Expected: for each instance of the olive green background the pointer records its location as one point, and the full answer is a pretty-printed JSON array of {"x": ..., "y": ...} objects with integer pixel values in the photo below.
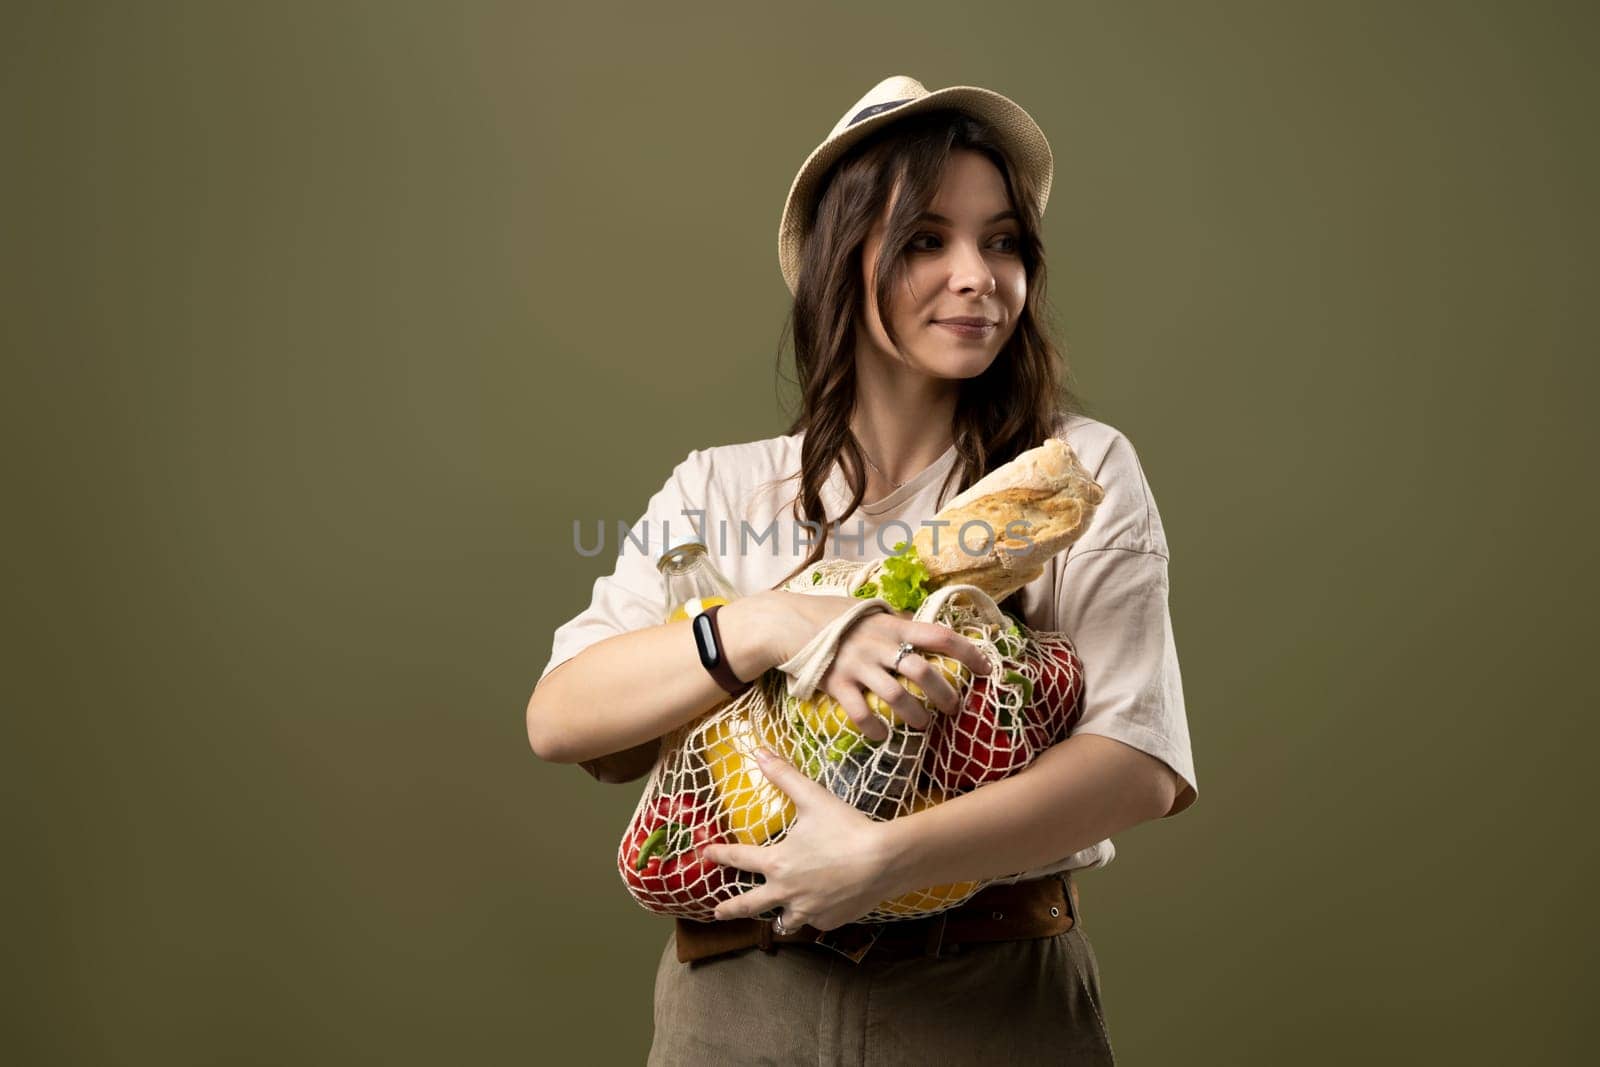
[{"x": 323, "y": 323}]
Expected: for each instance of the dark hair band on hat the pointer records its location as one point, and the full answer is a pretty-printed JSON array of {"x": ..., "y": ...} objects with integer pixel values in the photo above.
[{"x": 875, "y": 109}]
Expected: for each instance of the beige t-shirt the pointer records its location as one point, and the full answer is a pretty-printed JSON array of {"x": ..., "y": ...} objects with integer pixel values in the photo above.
[{"x": 1108, "y": 591}]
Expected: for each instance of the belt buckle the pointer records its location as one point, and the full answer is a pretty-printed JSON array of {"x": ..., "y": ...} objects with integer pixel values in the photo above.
[{"x": 855, "y": 943}]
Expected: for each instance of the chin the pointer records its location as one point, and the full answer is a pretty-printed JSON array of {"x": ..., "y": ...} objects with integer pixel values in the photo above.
[{"x": 959, "y": 367}]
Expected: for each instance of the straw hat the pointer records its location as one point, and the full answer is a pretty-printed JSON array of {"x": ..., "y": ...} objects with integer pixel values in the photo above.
[{"x": 895, "y": 98}]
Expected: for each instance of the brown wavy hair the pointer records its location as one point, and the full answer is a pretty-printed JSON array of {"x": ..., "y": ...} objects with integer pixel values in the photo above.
[{"x": 1009, "y": 408}]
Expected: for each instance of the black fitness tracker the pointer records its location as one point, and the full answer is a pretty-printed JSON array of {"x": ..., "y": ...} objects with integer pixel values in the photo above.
[{"x": 708, "y": 642}]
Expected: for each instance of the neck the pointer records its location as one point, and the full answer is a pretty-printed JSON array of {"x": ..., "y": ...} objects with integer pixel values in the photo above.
[{"x": 902, "y": 418}]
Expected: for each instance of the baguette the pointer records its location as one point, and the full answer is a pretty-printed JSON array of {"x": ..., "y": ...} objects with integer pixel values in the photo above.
[{"x": 1045, "y": 488}]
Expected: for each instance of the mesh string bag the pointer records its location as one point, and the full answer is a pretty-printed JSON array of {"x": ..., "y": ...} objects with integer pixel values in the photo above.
[{"x": 706, "y": 786}]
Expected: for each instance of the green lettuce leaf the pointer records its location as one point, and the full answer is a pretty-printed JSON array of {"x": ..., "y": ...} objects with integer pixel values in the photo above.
[{"x": 904, "y": 581}]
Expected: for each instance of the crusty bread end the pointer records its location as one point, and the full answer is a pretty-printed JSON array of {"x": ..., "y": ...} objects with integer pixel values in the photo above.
[{"x": 1045, "y": 497}]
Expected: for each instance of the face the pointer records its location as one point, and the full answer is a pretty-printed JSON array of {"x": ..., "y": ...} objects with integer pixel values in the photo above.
[{"x": 967, "y": 266}]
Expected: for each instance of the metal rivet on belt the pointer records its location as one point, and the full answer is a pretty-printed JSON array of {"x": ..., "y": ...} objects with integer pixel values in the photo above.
[
  {"x": 1054, "y": 912},
  {"x": 999, "y": 915}
]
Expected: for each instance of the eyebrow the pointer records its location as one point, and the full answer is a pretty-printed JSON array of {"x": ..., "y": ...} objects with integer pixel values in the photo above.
[{"x": 941, "y": 220}]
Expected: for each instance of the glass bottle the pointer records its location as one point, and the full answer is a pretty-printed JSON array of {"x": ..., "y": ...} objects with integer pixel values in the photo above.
[{"x": 693, "y": 582}]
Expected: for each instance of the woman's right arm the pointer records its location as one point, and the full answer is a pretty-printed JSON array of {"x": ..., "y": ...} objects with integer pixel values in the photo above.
[
  {"x": 609, "y": 704},
  {"x": 620, "y": 695}
]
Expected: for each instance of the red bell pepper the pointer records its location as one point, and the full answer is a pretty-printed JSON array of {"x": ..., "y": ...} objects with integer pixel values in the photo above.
[
  {"x": 660, "y": 861},
  {"x": 976, "y": 745},
  {"x": 1037, "y": 708},
  {"x": 1058, "y": 696}
]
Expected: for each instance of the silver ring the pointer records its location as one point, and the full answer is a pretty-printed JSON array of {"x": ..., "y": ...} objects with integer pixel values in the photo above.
[
  {"x": 777, "y": 924},
  {"x": 899, "y": 654}
]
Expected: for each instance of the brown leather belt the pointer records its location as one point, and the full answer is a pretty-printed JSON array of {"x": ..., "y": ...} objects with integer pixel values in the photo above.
[{"x": 1039, "y": 907}]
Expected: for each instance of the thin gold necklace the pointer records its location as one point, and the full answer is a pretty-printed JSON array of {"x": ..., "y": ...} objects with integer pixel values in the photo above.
[{"x": 877, "y": 468}]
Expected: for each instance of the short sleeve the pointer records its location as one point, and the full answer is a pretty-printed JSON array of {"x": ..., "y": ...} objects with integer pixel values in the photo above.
[
  {"x": 1112, "y": 599},
  {"x": 631, "y": 597},
  {"x": 1113, "y": 604}
]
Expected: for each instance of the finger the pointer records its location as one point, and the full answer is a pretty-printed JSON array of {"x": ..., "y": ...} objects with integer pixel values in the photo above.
[
  {"x": 898, "y": 697},
  {"x": 936, "y": 638},
  {"x": 788, "y": 778},
  {"x": 854, "y": 702},
  {"x": 940, "y": 693},
  {"x": 748, "y": 904},
  {"x": 742, "y": 857}
]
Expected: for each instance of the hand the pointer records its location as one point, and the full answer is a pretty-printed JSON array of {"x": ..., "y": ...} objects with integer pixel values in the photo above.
[
  {"x": 827, "y": 870},
  {"x": 865, "y": 652}
]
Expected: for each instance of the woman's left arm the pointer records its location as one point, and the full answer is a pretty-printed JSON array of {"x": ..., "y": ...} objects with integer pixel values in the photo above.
[
  {"x": 835, "y": 864},
  {"x": 1075, "y": 794}
]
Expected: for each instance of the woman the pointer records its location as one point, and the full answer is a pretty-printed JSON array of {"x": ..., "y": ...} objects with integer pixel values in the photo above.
[{"x": 910, "y": 242}]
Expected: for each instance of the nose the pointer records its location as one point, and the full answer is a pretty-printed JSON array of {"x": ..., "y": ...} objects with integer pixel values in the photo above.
[{"x": 970, "y": 273}]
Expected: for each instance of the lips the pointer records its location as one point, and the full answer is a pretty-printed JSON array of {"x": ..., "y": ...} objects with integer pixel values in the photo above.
[
  {"x": 964, "y": 331},
  {"x": 965, "y": 320}
]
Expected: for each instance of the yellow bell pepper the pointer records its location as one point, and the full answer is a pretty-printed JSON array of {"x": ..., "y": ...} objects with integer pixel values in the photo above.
[{"x": 753, "y": 809}]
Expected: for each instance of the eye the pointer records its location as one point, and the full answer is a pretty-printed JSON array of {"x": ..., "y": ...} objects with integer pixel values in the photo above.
[{"x": 913, "y": 246}]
